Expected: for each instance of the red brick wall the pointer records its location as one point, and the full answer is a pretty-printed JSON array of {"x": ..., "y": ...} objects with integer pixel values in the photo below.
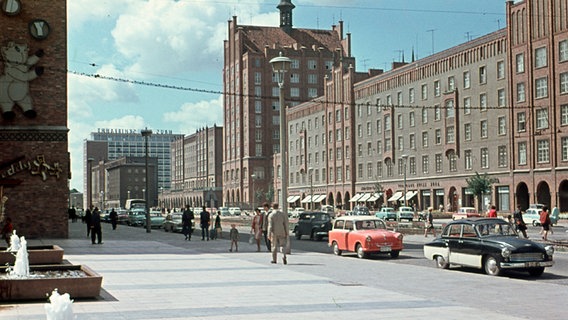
[{"x": 38, "y": 203}]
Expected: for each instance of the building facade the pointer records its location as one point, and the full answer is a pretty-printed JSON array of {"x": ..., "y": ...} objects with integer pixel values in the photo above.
[
  {"x": 34, "y": 158},
  {"x": 196, "y": 170},
  {"x": 111, "y": 144},
  {"x": 251, "y": 100}
]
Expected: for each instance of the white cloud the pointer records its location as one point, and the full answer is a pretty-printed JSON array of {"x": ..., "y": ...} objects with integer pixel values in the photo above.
[{"x": 192, "y": 116}]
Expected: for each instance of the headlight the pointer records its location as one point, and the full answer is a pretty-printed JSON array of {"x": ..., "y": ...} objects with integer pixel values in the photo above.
[
  {"x": 549, "y": 250},
  {"x": 505, "y": 252},
  {"x": 368, "y": 239}
]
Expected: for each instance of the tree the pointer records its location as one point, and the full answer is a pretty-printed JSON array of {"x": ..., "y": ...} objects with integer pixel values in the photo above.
[
  {"x": 378, "y": 188},
  {"x": 480, "y": 185}
]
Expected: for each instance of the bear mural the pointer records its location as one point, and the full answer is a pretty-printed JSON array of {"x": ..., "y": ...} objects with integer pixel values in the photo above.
[{"x": 18, "y": 71}]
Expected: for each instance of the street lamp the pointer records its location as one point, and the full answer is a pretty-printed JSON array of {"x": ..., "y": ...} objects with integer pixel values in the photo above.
[
  {"x": 161, "y": 196},
  {"x": 253, "y": 176},
  {"x": 102, "y": 200},
  {"x": 310, "y": 169},
  {"x": 404, "y": 157},
  {"x": 90, "y": 182},
  {"x": 280, "y": 66},
  {"x": 146, "y": 133}
]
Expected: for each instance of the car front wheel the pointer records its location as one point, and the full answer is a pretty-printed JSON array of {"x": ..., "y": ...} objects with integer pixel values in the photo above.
[
  {"x": 336, "y": 250},
  {"x": 360, "y": 253},
  {"x": 441, "y": 262},
  {"x": 298, "y": 234},
  {"x": 492, "y": 267},
  {"x": 395, "y": 254},
  {"x": 535, "y": 223}
]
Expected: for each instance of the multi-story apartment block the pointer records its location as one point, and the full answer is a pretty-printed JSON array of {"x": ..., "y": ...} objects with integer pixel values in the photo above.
[
  {"x": 251, "y": 101},
  {"x": 111, "y": 144},
  {"x": 196, "y": 170}
]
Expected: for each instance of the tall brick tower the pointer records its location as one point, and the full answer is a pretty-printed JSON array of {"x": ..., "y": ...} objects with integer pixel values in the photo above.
[{"x": 34, "y": 157}]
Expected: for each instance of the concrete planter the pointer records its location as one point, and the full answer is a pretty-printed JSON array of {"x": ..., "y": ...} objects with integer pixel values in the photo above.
[
  {"x": 40, "y": 289},
  {"x": 49, "y": 254}
]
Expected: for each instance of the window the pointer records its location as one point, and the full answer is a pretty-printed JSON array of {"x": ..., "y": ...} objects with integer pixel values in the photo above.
[
  {"x": 483, "y": 128},
  {"x": 438, "y": 162},
  {"x": 369, "y": 109},
  {"x": 467, "y": 105},
  {"x": 337, "y": 115},
  {"x": 389, "y": 100},
  {"x": 424, "y": 115},
  {"x": 502, "y": 156},
  {"x": 541, "y": 87},
  {"x": 312, "y": 78},
  {"x": 399, "y": 123},
  {"x": 258, "y": 107},
  {"x": 482, "y": 75},
  {"x": 388, "y": 145},
  {"x": 399, "y": 98},
  {"x": 520, "y": 62},
  {"x": 467, "y": 131},
  {"x": 387, "y": 123},
  {"x": 369, "y": 129},
  {"x": 467, "y": 160},
  {"x": 339, "y": 173},
  {"x": 295, "y": 64},
  {"x": 501, "y": 98},
  {"x": 294, "y": 78},
  {"x": 369, "y": 170},
  {"x": 400, "y": 143},
  {"x": 425, "y": 139},
  {"x": 338, "y": 134},
  {"x": 411, "y": 95},
  {"x": 339, "y": 153},
  {"x": 411, "y": 120},
  {"x": 521, "y": 97},
  {"x": 502, "y": 126},
  {"x": 452, "y": 160},
  {"x": 424, "y": 92},
  {"x": 438, "y": 133},
  {"x": 360, "y": 170},
  {"x": 437, "y": 112},
  {"x": 312, "y": 64},
  {"x": 294, "y": 92},
  {"x": 425, "y": 164},
  {"x": 564, "y": 82},
  {"x": 258, "y": 149},
  {"x": 543, "y": 151},
  {"x": 379, "y": 128},
  {"x": 360, "y": 150},
  {"x": 564, "y": 142},
  {"x": 522, "y": 148},
  {"x": 564, "y": 114},
  {"x": 359, "y": 131},
  {"x": 521, "y": 122},
  {"x": 369, "y": 149},
  {"x": 484, "y": 156},
  {"x": 483, "y": 102},
  {"x": 466, "y": 80},
  {"x": 541, "y": 118},
  {"x": 436, "y": 88},
  {"x": 412, "y": 138},
  {"x": 451, "y": 83},
  {"x": 450, "y": 111},
  {"x": 563, "y": 50},
  {"x": 312, "y": 92},
  {"x": 379, "y": 169},
  {"x": 500, "y": 70},
  {"x": 450, "y": 134},
  {"x": 540, "y": 57}
]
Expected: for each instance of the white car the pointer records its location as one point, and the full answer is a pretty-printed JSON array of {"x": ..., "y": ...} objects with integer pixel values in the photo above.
[{"x": 235, "y": 211}]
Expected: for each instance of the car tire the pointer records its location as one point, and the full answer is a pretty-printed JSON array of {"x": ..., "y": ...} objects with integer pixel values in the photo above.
[
  {"x": 536, "y": 272},
  {"x": 535, "y": 223},
  {"x": 395, "y": 254},
  {"x": 298, "y": 235},
  {"x": 441, "y": 262},
  {"x": 336, "y": 250},
  {"x": 491, "y": 266},
  {"x": 360, "y": 253}
]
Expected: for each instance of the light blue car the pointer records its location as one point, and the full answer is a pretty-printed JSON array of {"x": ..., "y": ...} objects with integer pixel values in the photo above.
[
  {"x": 532, "y": 216},
  {"x": 386, "y": 213}
]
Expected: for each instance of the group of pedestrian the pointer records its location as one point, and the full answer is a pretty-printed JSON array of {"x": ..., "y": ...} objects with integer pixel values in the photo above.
[{"x": 94, "y": 228}]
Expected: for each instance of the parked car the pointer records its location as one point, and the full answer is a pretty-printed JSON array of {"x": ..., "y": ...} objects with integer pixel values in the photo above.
[
  {"x": 489, "y": 244},
  {"x": 156, "y": 220},
  {"x": 386, "y": 213},
  {"x": 328, "y": 209},
  {"x": 123, "y": 216},
  {"x": 234, "y": 211},
  {"x": 405, "y": 213},
  {"x": 173, "y": 222},
  {"x": 136, "y": 217},
  {"x": 314, "y": 224},
  {"x": 532, "y": 216},
  {"x": 364, "y": 235},
  {"x": 466, "y": 212},
  {"x": 359, "y": 211},
  {"x": 224, "y": 211}
]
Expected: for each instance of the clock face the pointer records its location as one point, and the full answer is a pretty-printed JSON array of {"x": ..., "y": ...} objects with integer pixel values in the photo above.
[
  {"x": 39, "y": 29},
  {"x": 11, "y": 7}
]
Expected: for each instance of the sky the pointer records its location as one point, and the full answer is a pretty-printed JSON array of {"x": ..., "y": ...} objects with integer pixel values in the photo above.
[{"x": 175, "y": 48}]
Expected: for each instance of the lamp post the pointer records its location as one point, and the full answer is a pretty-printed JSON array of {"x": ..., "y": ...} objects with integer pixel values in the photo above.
[
  {"x": 404, "y": 157},
  {"x": 161, "y": 196},
  {"x": 90, "y": 182},
  {"x": 146, "y": 133},
  {"x": 253, "y": 176},
  {"x": 310, "y": 171},
  {"x": 280, "y": 66},
  {"x": 102, "y": 200}
]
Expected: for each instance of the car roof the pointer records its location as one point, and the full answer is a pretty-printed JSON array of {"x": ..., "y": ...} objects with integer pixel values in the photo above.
[
  {"x": 357, "y": 218},
  {"x": 476, "y": 221}
]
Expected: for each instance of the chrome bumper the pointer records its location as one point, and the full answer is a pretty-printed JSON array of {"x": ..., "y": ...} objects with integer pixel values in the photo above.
[{"x": 523, "y": 265}]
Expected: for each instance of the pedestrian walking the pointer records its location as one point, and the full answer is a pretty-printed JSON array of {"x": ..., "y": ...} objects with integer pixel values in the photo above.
[
  {"x": 266, "y": 213},
  {"x": 204, "y": 219},
  {"x": 519, "y": 222},
  {"x": 96, "y": 229},
  {"x": 492, "y": 213},
  {"x": 278, "y": 232},
  {"x": 73, "y": 214},
  {"x": 545, "y": 222},
  {"x": 216, "y": 230},
  {"x": 234, "y": 236},
  {"x": 113, "y": 218},
  {"x": 187, "y": 223},
  {"x": 256, "y": 228},
  {"x": 88, "y": 218},
  {"x": 429, "y": 224}
]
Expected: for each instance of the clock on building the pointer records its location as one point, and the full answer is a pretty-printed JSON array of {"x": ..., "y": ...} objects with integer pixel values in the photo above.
[
  {"x": 39, "y": 29},
  {"x": 11, "y": 7}
]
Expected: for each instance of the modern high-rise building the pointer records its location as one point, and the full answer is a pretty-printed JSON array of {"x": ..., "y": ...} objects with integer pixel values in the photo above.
[
  {"x": 111, "y": 144},
  {"x": 251, "y": 100}
]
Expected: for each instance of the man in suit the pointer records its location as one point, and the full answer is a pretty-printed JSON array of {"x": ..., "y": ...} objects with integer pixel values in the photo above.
[
  {"x": 204, "y": 218},
  {"x": 278, "y": 232}
]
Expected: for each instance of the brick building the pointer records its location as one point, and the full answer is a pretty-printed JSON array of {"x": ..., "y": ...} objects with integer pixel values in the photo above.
[{"x": 34, "y": 156}]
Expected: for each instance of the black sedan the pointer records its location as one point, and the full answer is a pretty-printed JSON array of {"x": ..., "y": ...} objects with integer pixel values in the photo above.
[
  {"x": 491, "y": 244},
  {"x": 314, "y": 224}
]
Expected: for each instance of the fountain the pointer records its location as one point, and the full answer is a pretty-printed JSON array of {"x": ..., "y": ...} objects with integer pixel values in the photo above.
[
  {"x": 60, "y": 307},
  {"x": 47, "y": 254}
]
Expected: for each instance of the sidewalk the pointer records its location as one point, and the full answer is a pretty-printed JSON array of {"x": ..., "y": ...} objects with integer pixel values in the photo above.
[{"x": 176, "y": 279}]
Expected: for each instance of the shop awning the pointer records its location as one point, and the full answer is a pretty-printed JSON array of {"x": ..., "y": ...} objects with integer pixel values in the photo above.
[
  {"x": 356, "y": 197},
  {"x": 365, "y": 197},
  {"x": 320, "y": 198},
  {"x": 292, "y": 199},
  {"x": 374, "y": 197},
  {"x": 395, "y": 196},
  {"x": 410, "y": 195},
  {"x": 307, "y": 199}
]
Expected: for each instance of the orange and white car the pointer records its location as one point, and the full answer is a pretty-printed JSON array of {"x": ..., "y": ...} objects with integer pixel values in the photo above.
[
  {"x": 465, "y": 213},
  {"x": 364, "y": 235}
]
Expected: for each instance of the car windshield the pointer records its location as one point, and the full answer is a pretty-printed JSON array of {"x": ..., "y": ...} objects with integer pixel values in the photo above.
[
  {"x": 370, "y": 225},
  {"x": 497, "y": 228}
]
